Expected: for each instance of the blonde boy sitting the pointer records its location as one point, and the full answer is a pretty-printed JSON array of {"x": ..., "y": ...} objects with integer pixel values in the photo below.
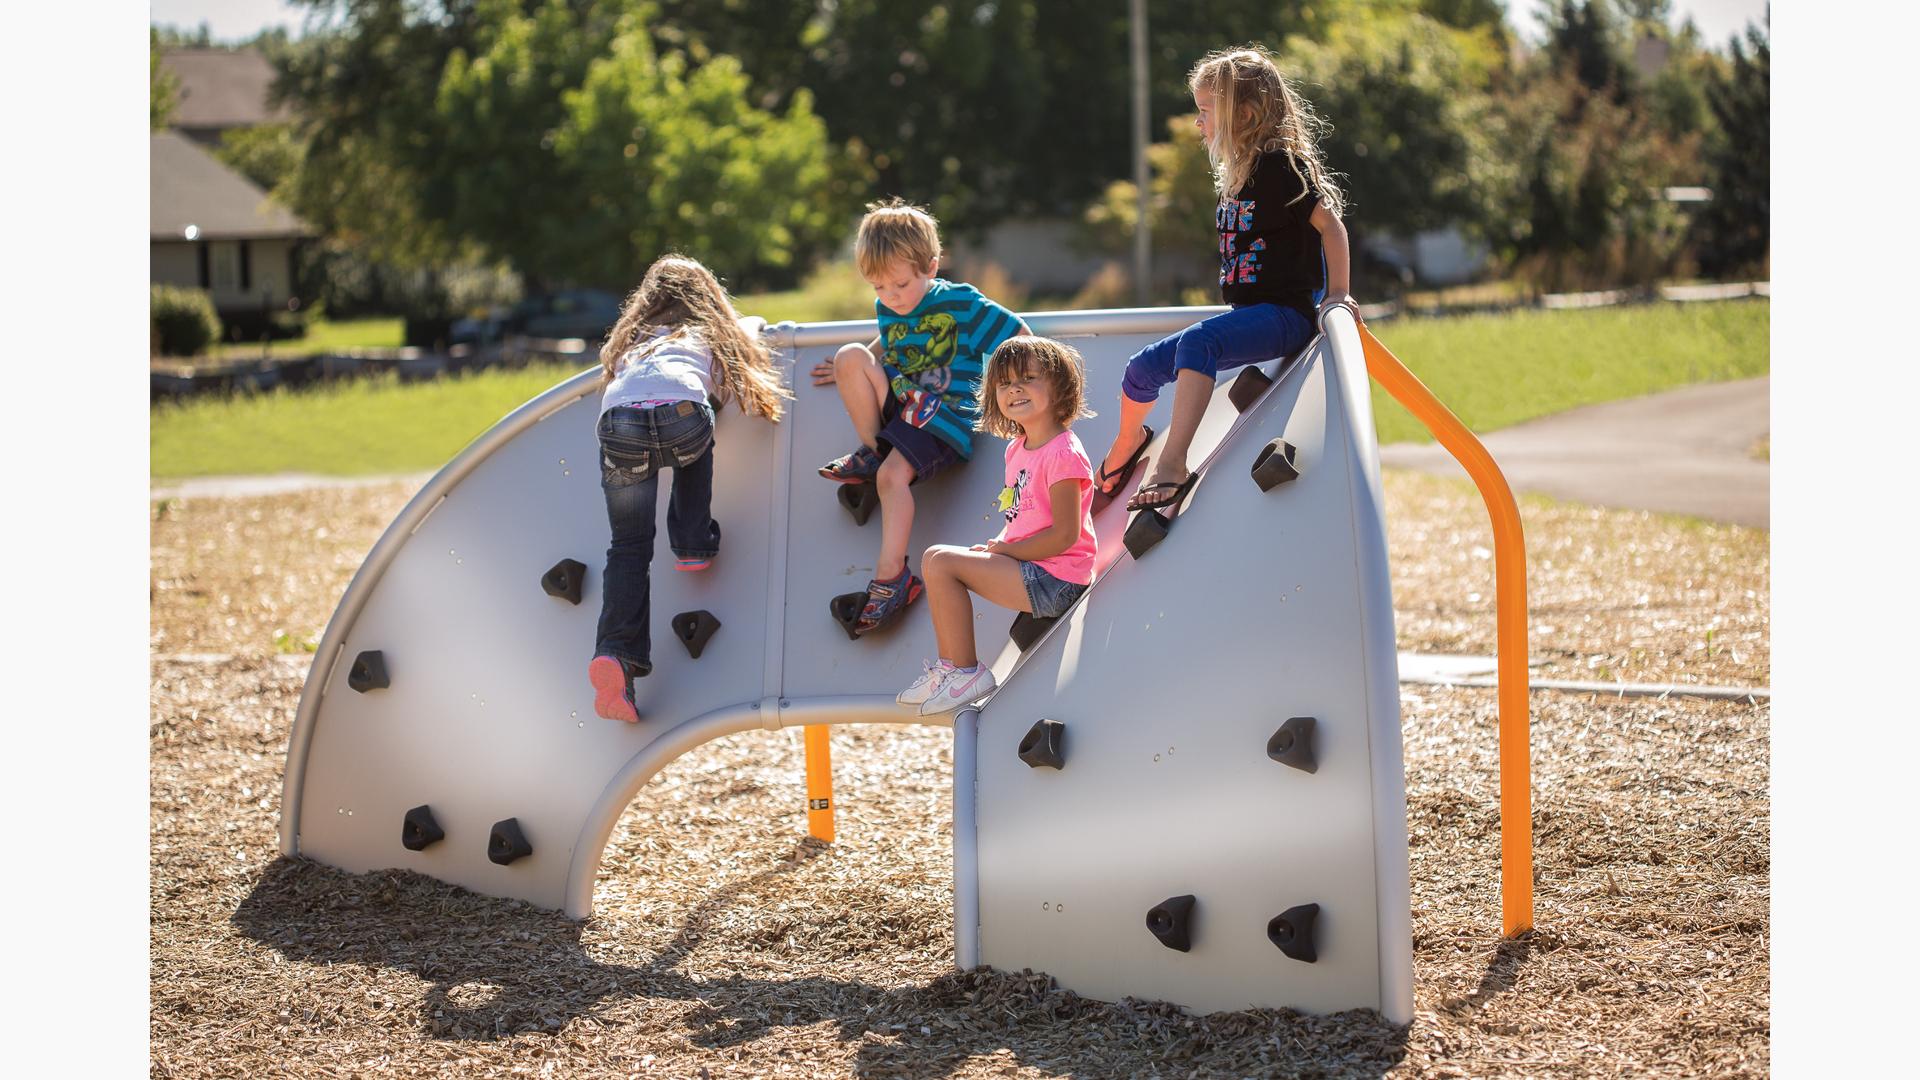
[{"x": 910, "y": 393}]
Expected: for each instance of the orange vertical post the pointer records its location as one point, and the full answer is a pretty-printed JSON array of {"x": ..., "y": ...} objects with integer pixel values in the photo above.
[
  {"x": 1510, "y": 605},
  {"x": 819, "y": 784}
]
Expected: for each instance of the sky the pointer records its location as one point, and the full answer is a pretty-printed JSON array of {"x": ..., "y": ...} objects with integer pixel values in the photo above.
[{"x": 231, "y": 20}]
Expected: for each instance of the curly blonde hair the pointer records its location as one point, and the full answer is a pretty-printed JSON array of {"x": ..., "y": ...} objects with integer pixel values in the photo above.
[
  {"x": 1027, "y": 356},
  {"x": 1257, "y": 110},
  {"x": 683, "y": 297}
]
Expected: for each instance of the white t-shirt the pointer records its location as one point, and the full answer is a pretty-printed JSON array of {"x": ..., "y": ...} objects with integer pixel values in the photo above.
[{"x": 664, "y": 368}]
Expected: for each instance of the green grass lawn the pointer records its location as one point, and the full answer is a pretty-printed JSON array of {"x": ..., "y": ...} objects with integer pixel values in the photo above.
[
  {"x": 323, "y": 336},
  {"x": 351, "y": 428},
  {"x": 1491, "y": 370},
  {"x": 1494, "y": 371}
]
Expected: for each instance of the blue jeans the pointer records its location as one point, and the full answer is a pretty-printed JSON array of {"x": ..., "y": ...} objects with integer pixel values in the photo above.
[
  {"x": 1231, "y": 339},
  {"x": 635, "y": 444}
]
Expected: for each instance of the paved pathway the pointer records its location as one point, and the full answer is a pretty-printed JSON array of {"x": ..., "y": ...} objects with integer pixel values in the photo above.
[
  {"x": 229, "y": 487},
  {"x": 1686, "y": 451}
]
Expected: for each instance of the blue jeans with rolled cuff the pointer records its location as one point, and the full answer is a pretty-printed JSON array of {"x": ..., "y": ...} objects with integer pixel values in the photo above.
[
  {"x": 636, "y": 442},
  {"x": 1231, "y": 339}
]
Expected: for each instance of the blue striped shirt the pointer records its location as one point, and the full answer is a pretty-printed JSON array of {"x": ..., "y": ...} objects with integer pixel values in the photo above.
[{"x": 936, "y": 353}]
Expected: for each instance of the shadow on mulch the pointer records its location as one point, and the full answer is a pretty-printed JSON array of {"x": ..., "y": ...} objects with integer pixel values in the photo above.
[
  {"x": 541, "y": 977},
  {"x": 1501, "y": 972}
]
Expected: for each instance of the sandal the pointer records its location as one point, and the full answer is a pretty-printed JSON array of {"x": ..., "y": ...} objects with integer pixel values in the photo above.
[
  {"x": 1102, "y": 493},
  {"x": 858, "y": 467},
  {"x": 886, "y": 600},
  {"x": 1179, "y": 492}
]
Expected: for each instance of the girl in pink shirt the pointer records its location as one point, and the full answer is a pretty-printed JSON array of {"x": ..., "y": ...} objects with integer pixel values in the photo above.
[{"x": 1042, "y": 561}]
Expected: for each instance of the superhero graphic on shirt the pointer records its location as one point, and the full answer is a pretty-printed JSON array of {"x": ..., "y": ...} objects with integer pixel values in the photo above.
[{"x": 924, "y": 372}]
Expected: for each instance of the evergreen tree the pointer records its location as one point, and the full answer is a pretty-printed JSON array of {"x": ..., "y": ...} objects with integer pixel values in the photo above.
[{"x": 1734, "y": 229}]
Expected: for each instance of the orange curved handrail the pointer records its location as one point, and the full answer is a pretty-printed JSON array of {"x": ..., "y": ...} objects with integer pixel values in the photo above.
[{"x": 1510, "y": 605}]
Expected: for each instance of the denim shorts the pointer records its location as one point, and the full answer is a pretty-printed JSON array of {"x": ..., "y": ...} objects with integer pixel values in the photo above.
[{"x": 1049, "y": 596}]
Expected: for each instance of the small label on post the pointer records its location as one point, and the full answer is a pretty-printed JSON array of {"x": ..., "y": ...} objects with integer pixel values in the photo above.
[{"x": 819, "y": 804}]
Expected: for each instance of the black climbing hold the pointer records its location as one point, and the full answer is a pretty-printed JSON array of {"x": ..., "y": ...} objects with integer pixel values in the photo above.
[
  {"x": 1170, "y": 922},
  {"x": 1147, "y": 528},
  {"x": 860, "y": 501},
  {"x": 506, "y": 842},
  {"x": 1248, "y": 387},
  {"x": 369, "y": 672},
  {"x": 846, "y": 611},
  {"x": 418, "y": 831},
  {"x": 693, "y": 628},
  {"x": 1275, "y": 465},
  {"x": 565, "y": 579},
  {"x": 1044, "y": 746},
  {"x": 1293, "y": 744},
  {"x": 1027, "y": 628},
  {"x": 1292, "y": 930}
]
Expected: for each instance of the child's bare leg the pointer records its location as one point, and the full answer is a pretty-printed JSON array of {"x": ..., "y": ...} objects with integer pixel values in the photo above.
[
  {"x": 1192, "y": 390},
  {"x": 896, "y": 515},
  {"x": 951, "y": 574},
  {"x": 1127, "y": 439},
  {"x": 862, "y": 383}
]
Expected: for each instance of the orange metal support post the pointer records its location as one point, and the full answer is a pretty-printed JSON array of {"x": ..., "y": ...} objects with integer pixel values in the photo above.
[
  {"x": 819, "y": 784},
  {"x": 1510, "y": 603}
]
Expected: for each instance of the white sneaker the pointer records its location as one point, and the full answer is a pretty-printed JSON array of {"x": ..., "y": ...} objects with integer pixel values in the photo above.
[
  {"x": 956, "y": 688},
  {"x": 923, "y": 687}
]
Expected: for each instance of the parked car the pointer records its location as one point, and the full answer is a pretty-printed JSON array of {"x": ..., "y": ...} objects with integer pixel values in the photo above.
[
  {"x": 571, "y": 313},
  {"x": 483, "y": 329}
]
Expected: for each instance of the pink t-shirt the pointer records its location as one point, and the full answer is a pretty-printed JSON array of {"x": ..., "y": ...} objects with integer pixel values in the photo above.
[{"x": 1028, "y": 509}]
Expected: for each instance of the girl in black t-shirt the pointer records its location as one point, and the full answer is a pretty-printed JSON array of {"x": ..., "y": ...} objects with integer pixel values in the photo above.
[{"x": 1283, "y": 258}]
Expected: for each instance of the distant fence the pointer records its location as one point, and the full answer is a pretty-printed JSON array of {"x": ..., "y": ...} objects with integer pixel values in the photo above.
[
  {"x": 1681, "y": 294},
  {"x": 177, "y": 382}
]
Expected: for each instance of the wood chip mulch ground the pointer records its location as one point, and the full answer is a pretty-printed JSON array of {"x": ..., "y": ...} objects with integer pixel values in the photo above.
[{"x": 726, "y": 945}]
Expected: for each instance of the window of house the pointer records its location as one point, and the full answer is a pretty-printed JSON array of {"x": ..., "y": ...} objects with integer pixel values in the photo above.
[{"x": 226, "y": 266}]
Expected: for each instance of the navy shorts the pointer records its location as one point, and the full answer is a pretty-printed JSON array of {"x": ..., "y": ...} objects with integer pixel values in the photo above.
[
  {"x": 1049, "y": 595},
  {"x": 926, "y": 452}
]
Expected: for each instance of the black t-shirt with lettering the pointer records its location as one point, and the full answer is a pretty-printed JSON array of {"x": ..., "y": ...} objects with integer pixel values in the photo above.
[{"x": 1269, "y": 250}]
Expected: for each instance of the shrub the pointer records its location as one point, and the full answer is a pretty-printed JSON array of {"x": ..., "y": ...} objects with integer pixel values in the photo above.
[
  {"x": 184, "y": 322},
  {"x": 1109, "y": 287}
]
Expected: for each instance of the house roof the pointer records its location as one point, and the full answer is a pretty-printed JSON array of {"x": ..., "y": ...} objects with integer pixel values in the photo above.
[
  {"x": 190, "y": 188},
  {"x": 222, "y": 88}
]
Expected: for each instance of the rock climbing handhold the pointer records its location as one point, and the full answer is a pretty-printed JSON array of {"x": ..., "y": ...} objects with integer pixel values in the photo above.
[
  {"x": 369, "y": 672},
  {"x": 1171, "y": 921},
  {"x": 565, "y": 580},
  {"x": 1045, "y": 745},
  {"x": 418, "y": 830},
  {"x": 506, "y": 842},
  {"x": 1293, "y": 744}
]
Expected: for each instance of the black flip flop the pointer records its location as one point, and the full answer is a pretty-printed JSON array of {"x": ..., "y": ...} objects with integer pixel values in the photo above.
[
  {"x": 1101, "y": 495},
  {"x": 1179, "y": 492}
]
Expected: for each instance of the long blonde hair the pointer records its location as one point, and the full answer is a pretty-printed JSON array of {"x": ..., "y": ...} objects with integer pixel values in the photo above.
[
  {"x": 683, "y": 297},
  {"x": 1257, "y": 110}
]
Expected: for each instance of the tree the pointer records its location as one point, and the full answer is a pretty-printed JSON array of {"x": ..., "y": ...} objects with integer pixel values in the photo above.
[
  {"x": 1584, "y": 38},
  {"x": 163, "y": 86},
  {"x": 1179, "y": 210},
  {"x": 1407, "y": 103},
  {"x": 1734, "y": 228},
  {"x": 267, "y": 154},
  {"x": 983, "y": 109},
  {"x": 552, "y": 134}
]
